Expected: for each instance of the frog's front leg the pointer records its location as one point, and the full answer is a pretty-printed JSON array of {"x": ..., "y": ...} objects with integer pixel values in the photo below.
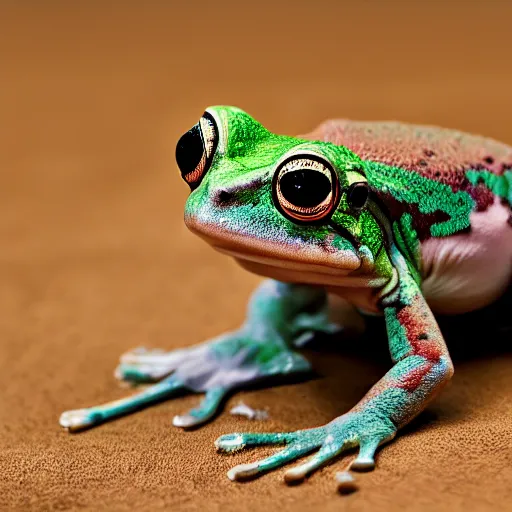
[
  {"x": 279, "y": 315},
  {"x": 422, "y": 367}
]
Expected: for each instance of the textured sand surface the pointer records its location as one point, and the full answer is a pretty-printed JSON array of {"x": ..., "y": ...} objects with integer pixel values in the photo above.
[{"x": 95, "y": 259}]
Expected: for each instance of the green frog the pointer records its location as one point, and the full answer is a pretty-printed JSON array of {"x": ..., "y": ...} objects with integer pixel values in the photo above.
[{"x": 399, "y": 220}]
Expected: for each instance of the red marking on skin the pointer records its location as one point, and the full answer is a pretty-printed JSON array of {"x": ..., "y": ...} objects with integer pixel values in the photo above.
[
  {"x": 482, "y": 196},
  {"x": 412, "y": 380},
  {"x": 421, "y": 221},
  {"x": 417, "y": 324}
]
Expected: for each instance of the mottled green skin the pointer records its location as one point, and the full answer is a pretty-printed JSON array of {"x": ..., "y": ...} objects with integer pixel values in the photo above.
[
  {"x": 429, "y": 195},
  {"x": 233, "y": 205},
  {"x": 248, "y": 159},
  {"x": 245, "y": 166}
]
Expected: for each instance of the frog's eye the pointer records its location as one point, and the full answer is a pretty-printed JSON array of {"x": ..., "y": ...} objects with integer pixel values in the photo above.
[
  {"x": 195, "y": 150},
  {"x": 357, "y": 195},
  {"x": 305, "y": 189}
]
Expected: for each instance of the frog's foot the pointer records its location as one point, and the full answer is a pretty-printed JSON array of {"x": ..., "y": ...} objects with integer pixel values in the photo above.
[
  {"x": 364, "y": 429},
  {"x": 215, "y": 368}
]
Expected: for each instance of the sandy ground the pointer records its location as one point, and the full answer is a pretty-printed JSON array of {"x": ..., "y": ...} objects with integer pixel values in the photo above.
[{"x": 95, "y": 259}]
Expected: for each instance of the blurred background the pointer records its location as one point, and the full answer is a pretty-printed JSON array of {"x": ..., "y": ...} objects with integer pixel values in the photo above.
[{"x": 95, "y": 258}]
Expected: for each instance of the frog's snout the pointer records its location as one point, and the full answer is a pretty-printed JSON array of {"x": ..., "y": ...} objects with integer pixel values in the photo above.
[{"x": 195, "y": 150}]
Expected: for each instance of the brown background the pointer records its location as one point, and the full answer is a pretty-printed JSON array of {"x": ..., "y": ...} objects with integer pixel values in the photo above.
[{"x": 95, "y": 258}]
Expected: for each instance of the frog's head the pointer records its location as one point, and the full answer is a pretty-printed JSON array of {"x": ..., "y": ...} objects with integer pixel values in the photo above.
[{"x": 285, "y": 207}]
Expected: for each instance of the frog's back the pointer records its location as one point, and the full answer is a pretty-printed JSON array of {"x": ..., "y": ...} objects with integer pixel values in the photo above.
[{"x": 466, "y": 270}]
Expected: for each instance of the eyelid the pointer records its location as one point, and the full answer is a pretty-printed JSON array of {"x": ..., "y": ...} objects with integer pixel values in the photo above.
[
  {"x": 209, "y": 134},
  {"x": 305, "y": 163},
  {"x": 220, "y": 121}
]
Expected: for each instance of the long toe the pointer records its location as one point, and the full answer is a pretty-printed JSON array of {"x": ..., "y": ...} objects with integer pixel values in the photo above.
[{"x": 77, "y": 419}]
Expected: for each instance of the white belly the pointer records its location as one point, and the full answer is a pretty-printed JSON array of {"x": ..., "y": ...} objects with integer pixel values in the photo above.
[{"x": 468, "y": 271}]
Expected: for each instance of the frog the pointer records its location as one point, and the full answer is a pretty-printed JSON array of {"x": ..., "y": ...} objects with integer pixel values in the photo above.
[{"x": 400, "y": 220}]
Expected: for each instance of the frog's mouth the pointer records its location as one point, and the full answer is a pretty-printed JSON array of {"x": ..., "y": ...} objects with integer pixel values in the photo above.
[{"x": 286, "y": 260}]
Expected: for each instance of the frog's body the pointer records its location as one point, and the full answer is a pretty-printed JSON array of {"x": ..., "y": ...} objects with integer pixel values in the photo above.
[
  {"x": 466, "y": 270},
  {"x": 462, "y": 268},
  {"x": 395, "y": 218}
]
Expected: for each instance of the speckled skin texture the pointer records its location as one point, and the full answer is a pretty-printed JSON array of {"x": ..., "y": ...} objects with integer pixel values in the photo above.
[
  {"x": 463, "y": 272},
  {"x": 437, "y": 153},
  {"x": 89, "y": 267},
  {"x": 432, "y": 151},
  {"x": 242, "y": 204}
]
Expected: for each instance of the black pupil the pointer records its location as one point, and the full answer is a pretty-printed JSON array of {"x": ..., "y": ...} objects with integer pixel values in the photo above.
[
  {"x": 305, "y": 188},
  {"x": 189, "y": 150},
  {"x": 357, "y": 195}
]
